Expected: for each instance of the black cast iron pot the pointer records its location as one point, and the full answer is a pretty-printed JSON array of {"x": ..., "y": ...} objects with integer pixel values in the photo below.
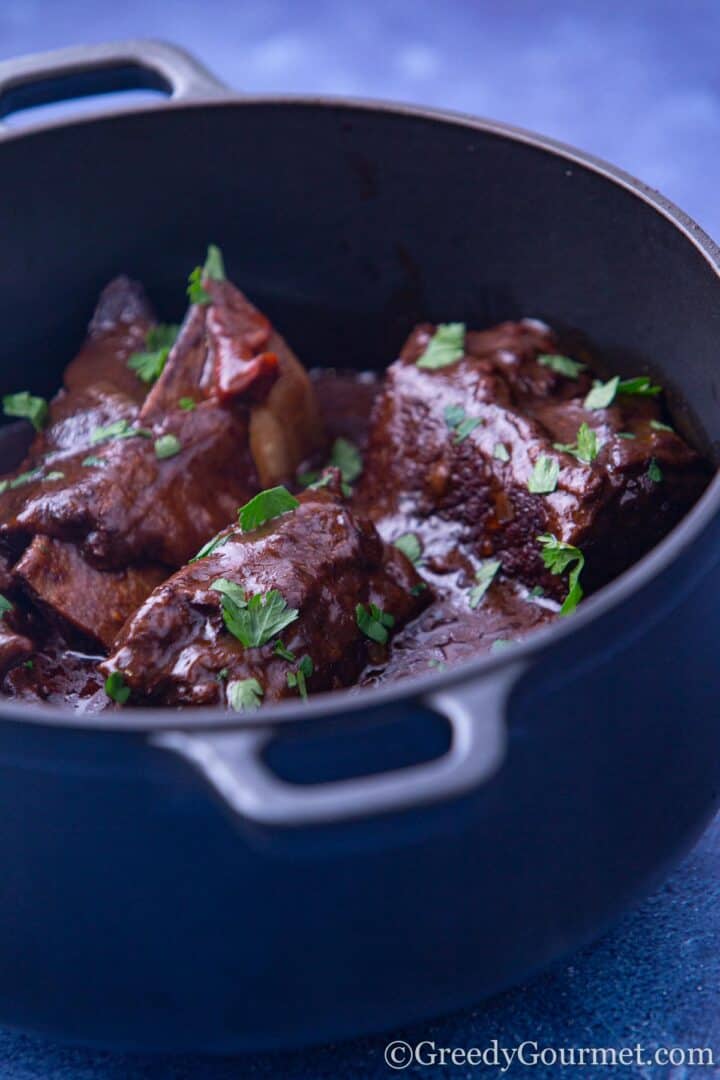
[{"x": 193, "y": 880}]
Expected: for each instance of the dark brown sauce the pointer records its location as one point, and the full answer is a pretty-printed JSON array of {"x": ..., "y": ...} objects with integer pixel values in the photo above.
[{"x": 448, "y": 631}]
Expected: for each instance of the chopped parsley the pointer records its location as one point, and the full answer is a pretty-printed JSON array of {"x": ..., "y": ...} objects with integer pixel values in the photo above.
[
  {"x": 29, "y": 664},
  {"x": 460, "y": 423},
  {"x": 466, "y": 427},
  {"x": 254, "y": 621},
  {"x": 222, "y": 674},
  {"x": 119, "y": 429},
  {"x": 298, "y": 678},
  {"x": 654, "y": 471},
  {"x": 27, "y": 407},
  {"x": 562, "y": 364},
  {"x": 115, "y": 687},
  {"x": 214, "y": 270},
  {"x": 536, "y": 592},
  {"x": 187, "y": 404},
  {"x": 167, "y": 446},
  {"x": 149, "y": 365},
  {"x": 231, "y": 589},
  {"x": 244, "y": 695},
  {"x": 410, "y": 546},
  {"x": 657, "y": 425},
  {"x": 5, "y": 605},
  {"x": 92, "y": 460},
  {"x": 484, "y": 578},
  {"x": 346, "y": 457},
  {"x": 603, "y": 394},
  {"x": 283, "y": 651},
  {"x": 54, "y": 475},
  {"x": 197, "y": 293},
  {"x": 559, "y": 557},
  {"x": 269, "y": 504},
  {"x": 586, "y": 446},
  {"x": 419, "y": 588},
  {"x": 446, "y": 346},
  {"x": 454, "y": 415},
  {"x": 501, "y": 643},
  {"x": 207, "y": 549},
  {"x": 435, "y": 663},
  {"x": 626, "y": 435},
  {"x": 24, "y": 478},
  {"x": 501, "y": 453},
  {"x": 544, "y": 477},
  {"x": 214, "y": 267},
  {"x": 641, "y": 386},
  {"x": 374, "y": 622}
]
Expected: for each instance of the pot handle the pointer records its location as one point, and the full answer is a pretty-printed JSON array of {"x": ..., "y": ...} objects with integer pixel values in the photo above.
[
  {"x": 233, "y": 764},
  {"x": 82, "y": 70}
]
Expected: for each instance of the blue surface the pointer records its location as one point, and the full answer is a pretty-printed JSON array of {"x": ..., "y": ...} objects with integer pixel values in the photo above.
[{"x": 635, "y": 83}]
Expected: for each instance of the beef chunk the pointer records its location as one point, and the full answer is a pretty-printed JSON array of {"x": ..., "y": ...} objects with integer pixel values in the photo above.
[
  {"x": 252, "y": 415},
  {"x": 14, "y": 648},
  {"x": 452, "y": 451},
  {"x": 80, "y": 599},
  {"x": 322, "y": 561}
]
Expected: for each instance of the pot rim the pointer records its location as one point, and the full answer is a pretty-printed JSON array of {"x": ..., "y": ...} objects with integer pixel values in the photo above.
[{"x": 329, "y": 705}]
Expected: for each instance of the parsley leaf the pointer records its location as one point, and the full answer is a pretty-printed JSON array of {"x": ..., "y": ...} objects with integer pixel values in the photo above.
[
  {"x": 446, "y": 346},
  {"x": 419, "y": 588},
  {"x": 468, "y": 425},
  {"x": 28, "y": 407},
  {"x": 299, "y": 677},
  {"x": 214, "y": 267},
  {"x": 484, "y": 577},
  {"x": 559, "y": 557},
  {"x": 92, "y": 460},
  {"x": 115, "y": 687},
  {"x": 602, "y": 394},
  {"x": 457, "y": 421},
  {"x": 25, "y": 477},
  {"x": 149, "y": 365},
  {"x": 544, "y": 477},
  {"x": 5, "y": 605},
  {"x": 586, "y": 446},
  {"x": 244, "y": 695},
  {"x": 454, "y": 415},
  {"x": 231, "y": 589},
  {"x": 501, "y": 643},
  {"x": 654, "y": 471},
  {"x": 657, "y": 425},
  {"x": 562, "y": 364},
  {"x": 626, "y": 435},
  {"x": 639, "y": 387},
  {"x": 374, "y": 622},
  {"x": 207, "y": 549},
  {"x": 346, "y": 457},
  {"x": 410, "y": 546},
  {"x": 167, "y": 446},
  {"x": 264, "y": 507},
  {"x": 258, "y": 619},
  {"x": 197, "y": 293},
  {"x": 214, "y": 270},
  {"x": 501, "y": 453},
  {"x": 55, "y": 475},
  {"x": 119, "y": 429},
  {"x": 187, "y": 404},
  {"x": 283, "y": 651}
]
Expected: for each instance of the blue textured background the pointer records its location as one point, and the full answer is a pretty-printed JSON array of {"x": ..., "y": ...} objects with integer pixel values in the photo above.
[{"x": 637, "y": 83}]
